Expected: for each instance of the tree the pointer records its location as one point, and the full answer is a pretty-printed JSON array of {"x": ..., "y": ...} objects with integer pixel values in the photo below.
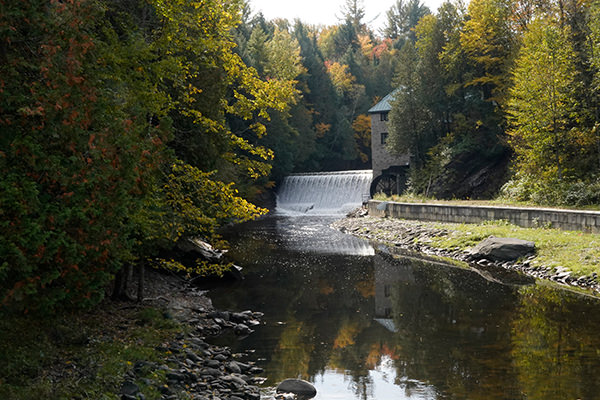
[
  {"x": 409, "y": 118},
  {"x": 90, "y": 95},
  {"x": 257, "y": 49},
  {"x": 542, "y": 106},
  {"x": 362, "y": 135},
  {"x": 283, "y": 59},
  {"x": 76, "y": 151},
  {"x": 488, "y": 39},
  {"x": 402, "y": 18},
  {"x": 353, "y": 11}
]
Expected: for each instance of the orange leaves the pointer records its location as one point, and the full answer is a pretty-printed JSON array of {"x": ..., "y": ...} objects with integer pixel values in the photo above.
[
  {"x": 322, "y": 129},
  {"x": 30, "y": 112}
]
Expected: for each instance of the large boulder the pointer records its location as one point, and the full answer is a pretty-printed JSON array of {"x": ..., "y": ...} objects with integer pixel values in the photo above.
[
  {"x": 502, "y": 249},
  {"x": 302, "y": 389}
]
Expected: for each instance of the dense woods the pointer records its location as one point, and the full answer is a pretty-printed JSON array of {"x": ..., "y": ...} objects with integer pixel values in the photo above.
[
  {"x": 499, "y": 81},
  {"x": 127, "y": 125},
  {"x": 116, "y": 138}
]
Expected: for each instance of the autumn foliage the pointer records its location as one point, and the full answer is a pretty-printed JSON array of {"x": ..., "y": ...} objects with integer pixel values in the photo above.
[{"x": 93, "y": 94}]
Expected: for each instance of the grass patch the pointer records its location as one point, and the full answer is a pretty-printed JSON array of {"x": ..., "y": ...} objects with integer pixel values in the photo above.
[
  {"x": 82, "y": 356},
  {"x": 579, "y": 252}
]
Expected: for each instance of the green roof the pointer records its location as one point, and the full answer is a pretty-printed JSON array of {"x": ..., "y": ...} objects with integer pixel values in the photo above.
[{"x": 384, "y": 105}]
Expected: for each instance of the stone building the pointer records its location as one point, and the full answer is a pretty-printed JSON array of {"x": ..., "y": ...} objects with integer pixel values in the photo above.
[{"x": 389, "y": 171}]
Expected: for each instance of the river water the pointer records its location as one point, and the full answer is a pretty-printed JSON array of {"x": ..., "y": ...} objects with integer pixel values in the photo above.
[{"x": 360, "y": 324}]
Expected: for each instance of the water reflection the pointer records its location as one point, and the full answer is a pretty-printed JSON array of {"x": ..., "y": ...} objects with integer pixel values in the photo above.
[
  {"x": 373, "y": 327},
  {"x": 556, "y": 346},
  {"x": 311, "y": 234}
]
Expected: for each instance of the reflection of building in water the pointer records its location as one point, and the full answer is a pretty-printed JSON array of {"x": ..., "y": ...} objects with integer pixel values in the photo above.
[{"x": 389, "y": 276}]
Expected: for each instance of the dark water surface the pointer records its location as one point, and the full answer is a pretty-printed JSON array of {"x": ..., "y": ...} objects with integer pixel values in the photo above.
[{"x": 361, "y": 325}]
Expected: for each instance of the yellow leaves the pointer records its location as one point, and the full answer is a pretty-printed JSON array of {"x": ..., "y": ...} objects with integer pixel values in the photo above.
[
  {"x": 366, "y": 45},
  {"x": 362, "y": 135},
  {"x": 341, "y": 78},
  {"x": 346, "y": 335},
  {"x": 191, "y": 203}
]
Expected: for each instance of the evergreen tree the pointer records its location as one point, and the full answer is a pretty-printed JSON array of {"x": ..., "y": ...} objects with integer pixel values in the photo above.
[{"x": 401, "y": 20}]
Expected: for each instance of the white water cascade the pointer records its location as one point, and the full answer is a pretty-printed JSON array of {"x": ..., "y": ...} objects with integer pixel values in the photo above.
[{"x": 324, "y": 193}]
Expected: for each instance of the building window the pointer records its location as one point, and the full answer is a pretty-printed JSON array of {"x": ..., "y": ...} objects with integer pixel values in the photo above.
[
  {"x": 384, "y": 136},
  {"x": 387, "y": 291},
  {"x": 383, "y": 116}
]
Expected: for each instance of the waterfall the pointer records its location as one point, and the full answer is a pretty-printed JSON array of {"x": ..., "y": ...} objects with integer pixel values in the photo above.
[{"x": 324, "y": 192}]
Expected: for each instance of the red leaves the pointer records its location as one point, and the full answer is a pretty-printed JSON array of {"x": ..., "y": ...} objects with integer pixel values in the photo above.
[{"x": 40, "y": 251}]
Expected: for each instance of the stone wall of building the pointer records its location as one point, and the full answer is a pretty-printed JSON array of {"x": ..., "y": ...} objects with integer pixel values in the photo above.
[
  {"x": 587, "y": 221},
  {"x": 381, "y": 158}
]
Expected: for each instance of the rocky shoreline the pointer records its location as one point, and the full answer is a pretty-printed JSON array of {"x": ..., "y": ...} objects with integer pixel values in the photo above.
[
  {"x": 415, "y": 237},
  {"x": 194, "y": 368},
  {"x": 197, "y": 370}
]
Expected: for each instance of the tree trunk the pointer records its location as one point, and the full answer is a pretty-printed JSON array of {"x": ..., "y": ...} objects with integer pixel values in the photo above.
[
  {"x": 120, "y": 285},
  {"x": 141, "y": 275}
]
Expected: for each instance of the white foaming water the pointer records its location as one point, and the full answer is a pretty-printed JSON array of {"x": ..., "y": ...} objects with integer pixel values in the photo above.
[{"x": 324, "y": 193}]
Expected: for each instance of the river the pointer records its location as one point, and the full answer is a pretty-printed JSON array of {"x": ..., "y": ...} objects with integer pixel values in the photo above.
[{"x": 360, "y": 324}]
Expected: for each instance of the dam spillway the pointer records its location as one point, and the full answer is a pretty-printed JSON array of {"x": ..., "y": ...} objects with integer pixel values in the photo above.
[{"x": 324, "y": 193}]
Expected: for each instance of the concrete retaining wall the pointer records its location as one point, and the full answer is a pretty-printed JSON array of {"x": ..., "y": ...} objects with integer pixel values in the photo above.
[{"x": 587, "y": 221}]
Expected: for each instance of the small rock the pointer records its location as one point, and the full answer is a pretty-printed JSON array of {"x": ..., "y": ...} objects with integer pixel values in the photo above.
[
  {"x": 256, "y": 370},
  {"x": 192, "y": 356},
  {"x": 175, "y": 376},
  {"x": 165, "y": 390},
  {"x": 234, "y": 367},
  {"x": 211, "y": 372},
  {"x": 242, "y": 329},
  {"x": 298, "y": 387},
  {"x": 129, "y": 389},
  {"x": 213, "y": 364}
]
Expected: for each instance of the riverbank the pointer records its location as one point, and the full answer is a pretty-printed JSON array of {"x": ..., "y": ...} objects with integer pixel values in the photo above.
[
  {"x": 566, "y": 257},
  {"x": 159, "y": 349}
]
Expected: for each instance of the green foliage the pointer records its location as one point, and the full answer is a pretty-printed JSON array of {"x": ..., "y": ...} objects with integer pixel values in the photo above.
[
  {"x": 200, "y": 268},
  {"x": 594, "y": 41},
  {"x": 91, "y": 93},
  {"x": 543, "y": 104},
  {"x": 284, "y": 60},
  {"x": 189, "y": 203},
  {"x": 440, "y": 117},
  {"x": 402, "y": 18},
  {"x": 529, "y": 188},
  {"x": 488, "y": 39},
  {"x": 75, "y": 161},
  {"x": 409, "y": 120}
]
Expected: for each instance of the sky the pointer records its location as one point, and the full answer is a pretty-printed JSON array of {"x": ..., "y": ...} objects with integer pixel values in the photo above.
[{"x": 327, "y": 12}]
